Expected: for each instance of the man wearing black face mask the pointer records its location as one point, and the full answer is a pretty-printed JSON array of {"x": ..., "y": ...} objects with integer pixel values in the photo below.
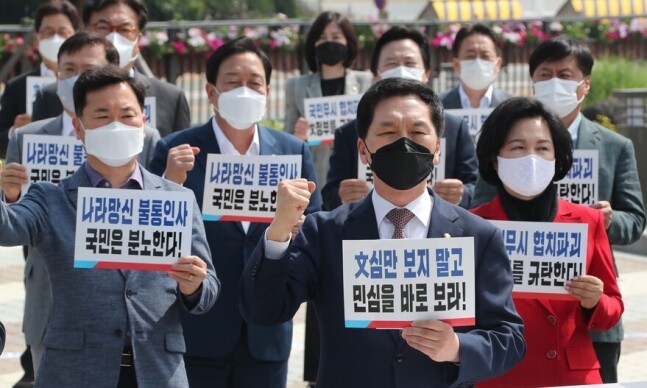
[{"x": 399, "y": 123}]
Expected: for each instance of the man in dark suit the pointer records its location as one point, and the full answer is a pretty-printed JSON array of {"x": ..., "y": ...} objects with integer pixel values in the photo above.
[
  {"x": 55, "y": 21},
  {"x": 561, "y": 71},
  {"x": 222, "y": 349},
  {"x": 402, "y": 52},
  {"x": 399, "y": 122},
  {"x": 477, "y": 61}
]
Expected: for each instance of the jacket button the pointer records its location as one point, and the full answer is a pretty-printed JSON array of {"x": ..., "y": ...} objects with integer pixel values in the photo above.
[
  {"x": 551, "y": 354},
  {"x": 399, "y": 358},
  {"x": 129, "y": 293},
  {"x": 552, "y": 320}
]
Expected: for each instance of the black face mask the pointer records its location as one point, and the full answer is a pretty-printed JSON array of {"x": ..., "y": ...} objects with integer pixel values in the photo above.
[
  {"x": 402, "y": 164},
  {"x": 331, "y": 53}
]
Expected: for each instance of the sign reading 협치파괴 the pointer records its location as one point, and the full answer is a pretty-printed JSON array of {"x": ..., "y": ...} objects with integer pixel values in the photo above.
[{"x": 580, "y": 185}]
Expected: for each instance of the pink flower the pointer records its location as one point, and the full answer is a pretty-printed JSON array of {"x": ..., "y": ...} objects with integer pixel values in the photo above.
[
  {"x": 272, "y": 43},
  {"x": 215, "y": 43},
  {"x": 179, "y": 47},
  {"x": 19, "y": 40}
]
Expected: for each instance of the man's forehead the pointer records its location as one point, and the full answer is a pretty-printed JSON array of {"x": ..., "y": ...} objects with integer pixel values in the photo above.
[
  {"x": 120, "y": 94},
  {"x": 118, "y": 12},
  {"x": 87, "y": 54}
]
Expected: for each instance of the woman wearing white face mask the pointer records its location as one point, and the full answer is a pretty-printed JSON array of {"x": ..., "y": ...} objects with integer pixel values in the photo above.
[{"x": 522, "y": 150}]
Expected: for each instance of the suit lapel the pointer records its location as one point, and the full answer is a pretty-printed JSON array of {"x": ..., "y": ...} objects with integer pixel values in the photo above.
[
  {"x": 144, "y": 80},
  {"x": 314, "y": 87},
  {"x": 206, "y": 137},
  {"x": 443, "y": 219},
  {"x": 55, "y": 127},
  {"x": 588, "y": 136}
]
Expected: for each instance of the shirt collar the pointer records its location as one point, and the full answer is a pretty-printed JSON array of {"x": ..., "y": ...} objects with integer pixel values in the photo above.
[
  {"x": 227, "y": 148},
  {"x": 486, "y": 100},
  {"x": 574, "y": 127},
  {"x": 46, "y": 72},
  {"x": 135, "y": 181},
  {"x": 68, "y": 128},
  {"x": 420, "y": 207}
]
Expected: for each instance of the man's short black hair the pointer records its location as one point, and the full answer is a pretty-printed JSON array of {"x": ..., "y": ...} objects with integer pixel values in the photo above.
[
  {"x": 398, "y": 87},
  {"x": 401, "y": 33},
  {"x": 498, "y": 125},
  {"x": 78, "y": 41},
  {"x": 237, "y": 46},
  {"x": 466, "y": 32},
  {"x": 56, "y": 7},
  {"x": 101, "y": 77},
  {"x": 317, "y": 28},
  {"x": 559, "y": 48},
  {"x": 92, "y": 6}
]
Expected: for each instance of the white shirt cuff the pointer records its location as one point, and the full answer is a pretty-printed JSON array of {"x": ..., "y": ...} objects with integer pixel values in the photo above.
[{"x": 274, "y": 250}]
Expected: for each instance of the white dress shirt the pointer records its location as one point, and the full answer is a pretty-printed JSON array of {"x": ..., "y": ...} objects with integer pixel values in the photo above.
[
  {"x": 68, "y": 128},
  {"x": 46, "y": 72},
  {"x": 574, "y": 127},
  {"x": 486, "y": 100}
]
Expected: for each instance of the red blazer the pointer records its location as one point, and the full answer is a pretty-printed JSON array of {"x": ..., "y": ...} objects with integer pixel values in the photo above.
[{"x": 559, "y": 350}]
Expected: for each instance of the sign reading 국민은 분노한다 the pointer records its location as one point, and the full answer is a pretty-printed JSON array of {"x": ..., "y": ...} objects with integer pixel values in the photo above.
[
  {"x": 543, "y": 256},
  {"x": 390, "y": 283},
  {"x": 365, "y": 173},
  {"x": 243, "y": 187},
  {"x": 474, "y": 118},
  {"x": 50, "y": 158},
  {"x": 325, "y": 114},
  {"x": 132, "y": 229},
  {"x": 580, "y": 185}
]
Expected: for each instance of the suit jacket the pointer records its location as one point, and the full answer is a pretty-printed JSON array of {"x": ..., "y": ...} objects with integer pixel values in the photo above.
[
  {"x": 311, "y": 269},
  {"x": 562, "y": 326},
  {"x": 216, "y": 333},
  {"x": 38, "y": 299},
  {"x": 85, "y": 333},
  {"x": 451, "y": 98},
  {"x": 309, "y": 86},
  {"x": 171, "y": 105},
  {"x": 13, "y": 103},
  {"x": 460, "y": 159}
]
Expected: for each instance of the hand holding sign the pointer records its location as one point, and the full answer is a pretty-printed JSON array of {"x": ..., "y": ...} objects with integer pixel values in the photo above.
[
  {"x": 189, "y": 272},
  {"x": 605, "y": 208},
  {"x": 181, "y": 160},
  {"x": 14, "y": 175},
  {"x": 352, "y": 190},
  {"x": 451, "y": 190},
  {"x": 292, "y": 200},
  {"x": 587, "y": 289},
  {"x": 21, "y": 120},
  {"x": 434, "y": 338},
  {"x": 301, "y": 129}
]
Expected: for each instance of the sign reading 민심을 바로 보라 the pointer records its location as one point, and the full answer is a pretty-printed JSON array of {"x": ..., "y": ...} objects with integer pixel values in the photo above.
[
  {"x": 390, "y": 283},
  {"x": 132, "y": 229},
  {"x": 243, "y": 188},
  {"x": 325, "y": 114},
  {"x": 543, "y": 256}
]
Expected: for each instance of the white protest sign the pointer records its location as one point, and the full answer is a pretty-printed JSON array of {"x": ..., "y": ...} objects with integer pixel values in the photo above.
[
  {"x": 474, "y": 118},
  {"x": 543, "y": 256},
  {"x": 389, "y": 283},
  {"x": 365, "y": 173},
  {"x": 50, "y": 158},
  {"x": 132, "y": 229},
  {"x": 150, "y": 111},
  {"x": 580, "y": 185},
  {"x": 325, "y": 114},
  {"x": 243, "y": 188},
  {"x": 34, "y": 86}
]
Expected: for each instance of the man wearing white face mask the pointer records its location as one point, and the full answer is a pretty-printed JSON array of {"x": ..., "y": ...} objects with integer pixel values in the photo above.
[
  {"x": 55, "y": 21},
  {"x": 404, "y": 53},
  {"x": 79, "y": 53},
  {"x": 222, "y": 349},
  {"x": 477, "y": 61},
  {"x": 561, "y": 70}
]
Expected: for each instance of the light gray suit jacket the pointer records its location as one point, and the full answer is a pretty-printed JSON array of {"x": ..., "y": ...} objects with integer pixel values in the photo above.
[
  {"x": 619, "y": 184},
  {"x": 38, "y": 304},
  {"x": 451, "y": 98},
  {"x": 309, "y": 86},
  {"x": 85, "y": 334}
]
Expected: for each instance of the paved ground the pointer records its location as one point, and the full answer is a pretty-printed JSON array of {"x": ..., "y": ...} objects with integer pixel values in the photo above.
[{"x": 633, "y": 284}]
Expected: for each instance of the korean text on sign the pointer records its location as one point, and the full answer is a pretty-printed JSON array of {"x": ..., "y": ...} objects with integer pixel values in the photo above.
[
  {"x": 390, "y": 283},
  {"x": 132, "y": 229},
  {"x": 580, "y": 185},
  {"x": 543, "y": 256},
  {"x": 474, "y": 118},
  {"x": 243, "y": 188},
  {"x": 325, "y": 114},
  {"x": 50, "y": 158}
]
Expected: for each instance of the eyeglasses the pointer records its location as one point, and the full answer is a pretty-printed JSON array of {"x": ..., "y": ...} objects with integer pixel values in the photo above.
[
  {"x": 71, "y": 71},
  {"x": 126, "y": 30}
]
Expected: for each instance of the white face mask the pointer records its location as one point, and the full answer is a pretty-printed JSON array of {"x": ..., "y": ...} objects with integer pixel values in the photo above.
[
  {"x": 114, "y": 144},
  {"x": 124, "y": 46},
  {"x": 241, "y": 107},
  {"x": 559, "y": 95},
  {"x": 413, "y": 73},
  {"x": 477, "y": 74},
  {"x": 64, "y": 90},
  {"x": 528, "y": 175},
  {"x": 48, "y": 48}
]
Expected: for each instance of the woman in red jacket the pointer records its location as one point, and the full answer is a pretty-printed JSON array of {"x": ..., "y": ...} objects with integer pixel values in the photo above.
[{"x": 523, "y": 148}]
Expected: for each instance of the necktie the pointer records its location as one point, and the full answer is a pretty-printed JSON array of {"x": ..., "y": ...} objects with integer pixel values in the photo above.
[{"x": 399, "y": 218}]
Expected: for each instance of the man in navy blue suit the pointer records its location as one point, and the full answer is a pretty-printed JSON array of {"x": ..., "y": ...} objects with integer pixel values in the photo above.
[
  {"x": 222, "y": 349},
  {"x": 399, "y": 123}
]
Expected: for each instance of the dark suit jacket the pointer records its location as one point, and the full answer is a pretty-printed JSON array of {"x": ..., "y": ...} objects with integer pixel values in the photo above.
[
  {"x": 85, "y": 333},
  {"x": 311, "y": 270},
  {"x": 460, "y": 159},
  {"x": 451, "y": 99},
  {"x": 217, "y": 333},
  {"x": 12, "y": 103},
  {"x": 171, "y": 105}
]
